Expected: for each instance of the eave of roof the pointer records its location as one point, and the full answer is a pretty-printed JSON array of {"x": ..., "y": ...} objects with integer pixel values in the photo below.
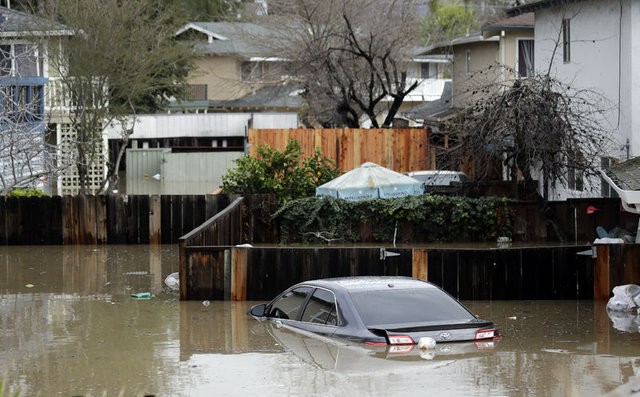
[
  {"x": 539, "y": 5},
  {"x": 19, "y": 24},
  {"x": 521, "y": 21}
]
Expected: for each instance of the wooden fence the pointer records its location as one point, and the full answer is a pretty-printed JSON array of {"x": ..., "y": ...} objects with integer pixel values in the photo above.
[
  {"x": 203, "y": 251},
  {"x": 260, "y": 273},
  {"x": 112, "y": 219},
  {"x": 119, "y": 219},
  {"x": 401, "y": 150}
]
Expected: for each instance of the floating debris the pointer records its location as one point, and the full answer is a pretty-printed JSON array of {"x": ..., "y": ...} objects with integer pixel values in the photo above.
[
  {"x": 142, "y": 295},
  {"x": 173, "y": 281}
]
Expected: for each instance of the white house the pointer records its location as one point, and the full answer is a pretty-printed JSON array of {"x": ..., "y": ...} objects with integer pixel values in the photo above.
[{"x": 595, "y": 45}]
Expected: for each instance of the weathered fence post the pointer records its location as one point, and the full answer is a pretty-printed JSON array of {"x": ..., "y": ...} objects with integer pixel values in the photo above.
[
  {"x": 420, "y": 264},
  {"x": 239, "y": 273}
]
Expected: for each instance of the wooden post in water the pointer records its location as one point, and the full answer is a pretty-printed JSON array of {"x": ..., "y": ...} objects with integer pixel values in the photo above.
[
  {"x": 420, "y": 264},
  {"x": 239, "y": 273},
  {"x": 601, "y": 273},
  {"x": 155, "y": 220}
]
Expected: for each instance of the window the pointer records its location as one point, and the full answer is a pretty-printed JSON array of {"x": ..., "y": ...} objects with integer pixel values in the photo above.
[
  {"x": 566, "y": 40},
  {"x": 321, "y": 308},
  {"x": 251, "y": 71},
  {"x": 288, "y": 305},
  {"x": 22, "y": 103},
  {"x": 406, "y": 306},
  {"x": 525, "y": 57},
  {"x": 575, "y": 179},
  {"x": 468, "y": 64},
  {"x": 21, "y": 60},
  {"x": 429, "y": 70}
]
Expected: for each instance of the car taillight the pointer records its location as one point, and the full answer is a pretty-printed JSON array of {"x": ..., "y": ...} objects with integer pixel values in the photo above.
[
  {"x": 401, "y": 340},
  {"x": 368, "y": 343},
  {"x": 485, "y": 333}
]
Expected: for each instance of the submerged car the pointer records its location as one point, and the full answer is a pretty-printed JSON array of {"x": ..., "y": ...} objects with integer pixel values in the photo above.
[{"x": 376, "y": 311}]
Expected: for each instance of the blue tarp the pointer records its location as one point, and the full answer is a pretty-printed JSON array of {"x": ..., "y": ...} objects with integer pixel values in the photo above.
[{"x": 370, "y": 181}]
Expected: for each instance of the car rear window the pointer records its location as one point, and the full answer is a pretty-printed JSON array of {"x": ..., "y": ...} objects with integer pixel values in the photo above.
[{"x": 405, "y": 306}]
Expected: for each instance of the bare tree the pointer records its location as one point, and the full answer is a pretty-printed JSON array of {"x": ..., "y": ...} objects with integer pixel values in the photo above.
[
  {"x": 349, "y": 56},
  {"x": 122, "y": 58},
  {"x": 535, "y": 126}
]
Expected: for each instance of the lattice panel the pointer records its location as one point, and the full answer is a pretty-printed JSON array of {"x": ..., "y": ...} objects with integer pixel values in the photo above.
[{"x": 69, "y": 181}]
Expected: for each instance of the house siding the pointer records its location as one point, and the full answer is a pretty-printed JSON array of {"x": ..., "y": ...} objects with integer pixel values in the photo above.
[
  {"x": 605, "y": 57},
  {"x": 483, "y": 54}
]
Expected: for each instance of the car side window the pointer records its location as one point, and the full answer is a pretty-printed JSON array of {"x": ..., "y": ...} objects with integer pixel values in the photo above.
[
  {"x": 288, "y": 305},
  {"x": 321, "y": 308}
]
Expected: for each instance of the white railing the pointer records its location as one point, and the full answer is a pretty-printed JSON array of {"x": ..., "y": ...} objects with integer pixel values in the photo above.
[{"x": 57, "y": 98}]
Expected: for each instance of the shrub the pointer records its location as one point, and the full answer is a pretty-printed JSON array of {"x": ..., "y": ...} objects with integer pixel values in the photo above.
[
  {"x": 428, "y": 218},
  {"x": 283, "y": 174},
  {"x": 26, "y": 192}
]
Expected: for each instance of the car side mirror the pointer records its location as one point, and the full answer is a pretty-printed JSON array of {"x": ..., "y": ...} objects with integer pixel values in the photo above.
[{"x": 258, "y": 310}]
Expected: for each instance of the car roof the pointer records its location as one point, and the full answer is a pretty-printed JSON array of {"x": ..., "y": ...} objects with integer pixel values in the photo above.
[
  {"x": 435, "y": 172},
  {"x": 370, "y": 283}
]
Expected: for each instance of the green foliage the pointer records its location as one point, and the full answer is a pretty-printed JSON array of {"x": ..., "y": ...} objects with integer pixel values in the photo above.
[
  {"x": 283, "y": 174},
  {"x": 26, "y": 192},
  {"x": 445, "y": 22},
  {"x": 6, "y": 392},
  {"x": 207, "y": 10},
  {"x": 429, "y": 218}
]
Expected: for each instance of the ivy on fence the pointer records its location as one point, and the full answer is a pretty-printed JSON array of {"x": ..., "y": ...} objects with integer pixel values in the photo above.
[{"x": 425, "y": 218}]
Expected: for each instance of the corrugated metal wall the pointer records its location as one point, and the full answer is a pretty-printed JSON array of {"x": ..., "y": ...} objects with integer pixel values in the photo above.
[
  {"x": 158, "y": 126},
  {"x": 158, "y": 171}
]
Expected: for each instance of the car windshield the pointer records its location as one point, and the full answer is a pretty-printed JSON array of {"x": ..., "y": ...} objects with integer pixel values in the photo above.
[{"x": 408, "y": 306}]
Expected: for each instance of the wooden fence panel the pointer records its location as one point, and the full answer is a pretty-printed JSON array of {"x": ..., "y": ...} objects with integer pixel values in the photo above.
[
  {"x": 101, "y": 219},
  {"x": 176, "y": 219},
  {"x": 3, "y": 220},
  {"x": 116, "y": 220},
  {"x": 143, "y": 219},
  {"x": 188, "y": 216},
  {"x": 132, "y": 205},
  {"x": 86, "y": 215},
  {"x": 14, "y": 220},
  {"x": 271, "y": 270},
  {"x": 399, "y": 149},
  {"x": 54, "y": 215},
  {"x": 166, "y": 219},
  {"x": 155, "y": 220},
  {"x": 204, "y": 275},
  {"x": 69, "y": 221}
]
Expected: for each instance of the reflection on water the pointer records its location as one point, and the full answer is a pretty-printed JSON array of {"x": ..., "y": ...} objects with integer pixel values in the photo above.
[{"x": 70, "y": 327}]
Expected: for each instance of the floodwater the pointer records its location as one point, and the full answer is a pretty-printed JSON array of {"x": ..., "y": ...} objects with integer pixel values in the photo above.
[{"x": 70, "y": 327}]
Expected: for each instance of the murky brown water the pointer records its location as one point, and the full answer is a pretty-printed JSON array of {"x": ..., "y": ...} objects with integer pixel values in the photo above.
[{"x": 69, "y": 327}]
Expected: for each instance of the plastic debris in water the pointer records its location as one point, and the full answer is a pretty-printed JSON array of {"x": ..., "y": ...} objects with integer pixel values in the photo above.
[
  {"x": 426, "y": 343},
  {"x": 29, "y": 285},
  {"x": 205, "y": 303},
  {"x": 142, "y": 295},
  {"x": 173, "y": 281}
]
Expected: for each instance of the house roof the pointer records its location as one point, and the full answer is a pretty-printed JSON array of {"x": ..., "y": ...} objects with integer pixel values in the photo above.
[
  {"x": 475, "y": 37},
  {"x": 280, "y": 97},
  {"x": 230, "y": 38},
  {"x": 538, "y": 5},
  {"x": 626, "y": 174},
  {"x": 520, "y": 21},
  {"x": 19, "y": 24},
  {"x": 433, "y": 110}
]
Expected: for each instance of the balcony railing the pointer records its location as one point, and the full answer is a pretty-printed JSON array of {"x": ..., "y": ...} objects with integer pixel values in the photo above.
[{"x": 57, "y": 97}]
